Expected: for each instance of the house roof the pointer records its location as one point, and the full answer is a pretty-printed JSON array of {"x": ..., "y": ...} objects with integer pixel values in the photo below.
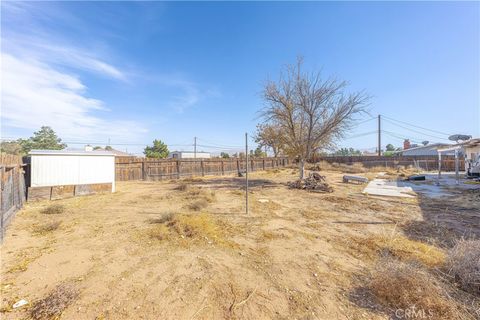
[
  {"x": 71, "y": 152},
  {"x": 428, "y": 146},
  {"x": 117, "y": 153},
  {"x": 469, "y": 143}
]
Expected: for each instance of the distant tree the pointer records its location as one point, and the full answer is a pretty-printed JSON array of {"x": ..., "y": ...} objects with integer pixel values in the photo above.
[
  {"x": 224, "y": 155},
  {"x": 390, "y": 147},
  {"x": 97, "y": 148},
  {"x": 159, "y": 150},
  {"x": 311, "y": 112},
  {"x": 45, "y": 139},
  {"x": 269, "y": 135},
  {"x": 108, "y": 148},
  {"x": 11, "y": 147},
  {"x": 241, "y": 154},
  {"x": 347, "y": 152},
  {"x": 259, "y": 153},
  {"x": 425, "y": 142}
]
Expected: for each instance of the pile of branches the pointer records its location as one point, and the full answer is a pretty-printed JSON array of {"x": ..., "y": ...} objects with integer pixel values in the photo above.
[{"x": 314, "y": 182}]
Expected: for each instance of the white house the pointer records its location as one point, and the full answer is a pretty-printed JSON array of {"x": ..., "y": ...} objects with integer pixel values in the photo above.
[
  {"x": 189, "y": 155},
  {"x": 428, "y": 150},
  {"x": 74, "y": 172}
]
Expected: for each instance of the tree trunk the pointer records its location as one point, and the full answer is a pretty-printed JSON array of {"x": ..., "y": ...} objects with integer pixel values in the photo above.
[{"x": 301, "y": 167}]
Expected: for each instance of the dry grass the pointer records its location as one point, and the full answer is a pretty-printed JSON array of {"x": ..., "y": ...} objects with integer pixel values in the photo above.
[
  {"x": 45, "y": 228},
  {"x": 463, "y": 264},
  {"x": 165, "y": 217},
  {"x": 53, "y": 305},
  {"x": 197, "y": 227},
  {"x": 400, "y": 247},
  {"x": 53, "y": 209},
  {"x": 342, "y": 167},
  {"x": 194, "y": 192},
  {"x": 398, "y": 285},
  {"x": 198, "y": 205}
]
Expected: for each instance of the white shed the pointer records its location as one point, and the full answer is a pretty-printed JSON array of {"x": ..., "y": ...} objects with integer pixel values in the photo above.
[{"x": 76, "y": 168}]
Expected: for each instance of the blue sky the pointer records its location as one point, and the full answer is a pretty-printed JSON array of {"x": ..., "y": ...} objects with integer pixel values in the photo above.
[{"x": 132, "y": 72}]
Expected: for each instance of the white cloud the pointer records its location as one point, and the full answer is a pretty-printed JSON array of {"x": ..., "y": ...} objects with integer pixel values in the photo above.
[{"x": 36, "y": 94}]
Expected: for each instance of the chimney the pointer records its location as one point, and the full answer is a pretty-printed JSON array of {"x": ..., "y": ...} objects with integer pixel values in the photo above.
[
  {"x": 406, "y": 144},
  {"x": 88, "y": 148}
]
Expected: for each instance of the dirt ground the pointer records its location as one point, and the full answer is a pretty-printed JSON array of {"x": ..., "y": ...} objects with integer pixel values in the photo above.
[{"x": 185, "y": 249}]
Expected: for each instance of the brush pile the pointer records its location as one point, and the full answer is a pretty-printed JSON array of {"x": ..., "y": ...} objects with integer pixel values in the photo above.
[{"x": 314, "y": 182}]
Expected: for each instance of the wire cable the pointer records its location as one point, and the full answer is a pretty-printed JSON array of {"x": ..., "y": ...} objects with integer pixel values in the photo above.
[
  {"x": 419, "y": 127},
  {"x": 416, "y": 131}
]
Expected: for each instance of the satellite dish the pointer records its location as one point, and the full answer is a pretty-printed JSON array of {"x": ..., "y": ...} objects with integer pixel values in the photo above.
[{"x": 459, "y": 137}]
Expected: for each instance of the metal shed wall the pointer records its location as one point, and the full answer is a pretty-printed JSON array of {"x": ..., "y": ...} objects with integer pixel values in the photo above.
[{"x": 56, "y": 170}]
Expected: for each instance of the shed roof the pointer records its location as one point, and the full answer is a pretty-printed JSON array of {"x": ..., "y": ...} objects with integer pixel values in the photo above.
[{"x": 71, "y": 152}]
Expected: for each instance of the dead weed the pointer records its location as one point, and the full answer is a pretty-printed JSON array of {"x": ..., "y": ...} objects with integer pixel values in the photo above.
[
  {"x": 400, "y": 247},
  {"x": 403, "y": 286},
  {"x": 53, "y": 305},
  {"x": 45, "y": 228},
  {"x": 463, "y": 264},
  {"x": 53, "y": 209},
  {"x": 189, "y": 227}
]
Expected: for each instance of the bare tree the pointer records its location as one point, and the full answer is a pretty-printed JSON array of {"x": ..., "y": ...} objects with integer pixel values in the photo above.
[
  {"x": 269, "y": 135},
  {"x": 311, "y": 113}
]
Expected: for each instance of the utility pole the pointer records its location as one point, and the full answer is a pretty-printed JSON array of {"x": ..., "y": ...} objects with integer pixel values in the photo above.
[
  {"x": 246, "y": 173},
  {"x": 379, "y": 137},
  {"x": 194, "y": 147}
]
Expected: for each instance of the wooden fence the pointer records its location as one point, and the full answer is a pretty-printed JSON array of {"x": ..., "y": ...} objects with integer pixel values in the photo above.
[
  {"x": 129, "y": 168},
  {"x": 421, "y": 162},
  {"x": 13, "y": 190}
]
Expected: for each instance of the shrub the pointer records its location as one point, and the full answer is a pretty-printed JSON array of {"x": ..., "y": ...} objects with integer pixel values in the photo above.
[
  {"x": 182, "y": 187},
  {"x": 46, "y": 227},
  {"x": 53, "y": 209},
  {"x": 463, "y": 264},
  {"x": 198, "y": 205},
  {"x": 53, "y": 305},
  {"x": 168, "y": 216},
  {"x": 398, "y": 285},
  {"x": 189, "y": 227}
]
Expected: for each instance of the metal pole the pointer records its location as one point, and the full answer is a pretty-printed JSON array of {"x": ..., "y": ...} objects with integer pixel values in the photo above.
[
  {"x": 456, "y": 167},
  {"x": 379, "y": 137},
  {"x": 439, "y": 167},
  {"x": 246, "y": 173}
]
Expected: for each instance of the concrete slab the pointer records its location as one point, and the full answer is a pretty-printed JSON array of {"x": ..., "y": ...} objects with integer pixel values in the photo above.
[
  {"x": 382, "y": 187},
  {"x": 447, "y": 185}
]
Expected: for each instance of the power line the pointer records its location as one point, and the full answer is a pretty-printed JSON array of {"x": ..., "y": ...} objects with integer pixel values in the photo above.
[
  {"x": 401, "y": 137},
  {"x": 370, "y": 119},
  {"x": 416, "y": 131},
  {"x": 360, "y": 135},
  {"x": 219, "y": 144},
  {"x": 413, "y": 125}
]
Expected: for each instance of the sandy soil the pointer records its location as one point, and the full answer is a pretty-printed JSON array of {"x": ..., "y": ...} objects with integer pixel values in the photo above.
[{"x": 296, "y": 255}]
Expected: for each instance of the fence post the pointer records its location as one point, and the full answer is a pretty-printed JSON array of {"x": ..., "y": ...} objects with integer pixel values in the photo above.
[
  {"x": 238, "y": 165},
  {"x": 252, "y": 165},
  {"x": 178, "y": 169},
  {"x": 203, "y": 169},
  {"x": 263, "y": 164},
  {"x": 143, "y": 170},
  {"x": 223, "y": 168}
]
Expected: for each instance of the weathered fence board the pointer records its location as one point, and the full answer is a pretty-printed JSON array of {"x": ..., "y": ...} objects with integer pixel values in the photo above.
[
  {"x": 13, "y": 190},
  {"x": 421, "y": 162},
  {"x": 160, "y": 169}
]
